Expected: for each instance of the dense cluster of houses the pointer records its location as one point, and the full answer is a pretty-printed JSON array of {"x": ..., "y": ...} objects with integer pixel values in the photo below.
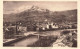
[
  {"x": 48, "y": 26},
  {"x": 11, "y": 30}
]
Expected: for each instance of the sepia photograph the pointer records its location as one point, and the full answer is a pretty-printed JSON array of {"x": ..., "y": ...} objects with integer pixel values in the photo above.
[{"x": 40, "y": 24}]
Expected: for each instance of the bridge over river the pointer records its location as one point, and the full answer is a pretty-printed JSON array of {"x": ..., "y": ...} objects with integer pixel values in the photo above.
[{"x": 40, "y": 39}]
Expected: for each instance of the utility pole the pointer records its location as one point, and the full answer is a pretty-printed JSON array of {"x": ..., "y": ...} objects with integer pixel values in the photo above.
[{"x": 16, "y": 27}]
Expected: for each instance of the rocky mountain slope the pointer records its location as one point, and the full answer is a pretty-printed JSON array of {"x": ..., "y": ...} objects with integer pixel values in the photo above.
[{"x": 36, "y": 14}]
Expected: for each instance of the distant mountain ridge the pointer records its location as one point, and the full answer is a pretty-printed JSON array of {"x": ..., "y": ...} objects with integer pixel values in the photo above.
[{"x": 36, "y": 14}]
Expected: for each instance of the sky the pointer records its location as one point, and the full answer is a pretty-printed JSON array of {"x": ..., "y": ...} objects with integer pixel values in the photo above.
[{"x": 19, "y": 6}]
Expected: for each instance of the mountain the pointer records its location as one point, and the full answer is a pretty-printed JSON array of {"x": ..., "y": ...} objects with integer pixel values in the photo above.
[
  {"x": 36, "y": 8},
  {"x": 36, "y": 14},
  {"x": 69, "y": 15}
]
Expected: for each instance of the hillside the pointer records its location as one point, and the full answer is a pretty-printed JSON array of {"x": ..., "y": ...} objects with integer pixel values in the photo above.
[{"x": 35, "y": 14}]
